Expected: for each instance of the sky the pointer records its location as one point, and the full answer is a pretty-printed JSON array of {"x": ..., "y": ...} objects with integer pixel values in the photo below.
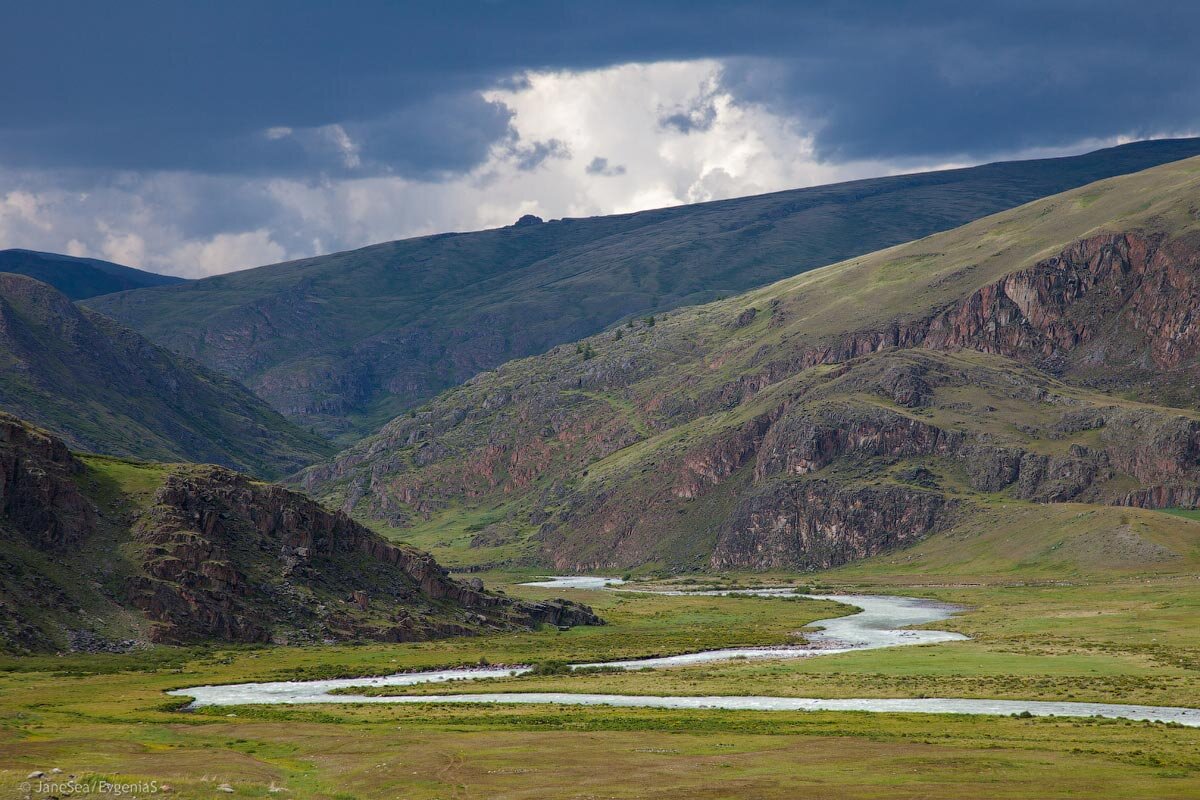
[{"x": 202, "y": 137}]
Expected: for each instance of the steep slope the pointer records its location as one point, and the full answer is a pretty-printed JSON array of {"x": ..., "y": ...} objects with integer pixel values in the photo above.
[
  {"x": 80, "y": 278},
  {"x": 1030, "y": 356},
  {"x": 106, "y": 554},
  {"x": 345, "y": 341},
  {"x": 106, "y": 389}
]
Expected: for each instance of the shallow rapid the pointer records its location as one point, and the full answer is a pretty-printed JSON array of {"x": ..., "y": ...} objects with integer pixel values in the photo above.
[{"x": 883, "y": 621}]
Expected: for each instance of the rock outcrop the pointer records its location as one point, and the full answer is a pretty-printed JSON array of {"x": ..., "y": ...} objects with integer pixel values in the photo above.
[
  {"x": 1163, "y": 497},
  {"x": 39, "y": 495},
  {"x": 963, "y": 365},
  {"x": 1110, "y": 310},
  {"x": 809, "y": 438},
  {"x": 818, "y": 524},
  {"x": 228, "y": 558},
  {"x": 213, "y": 555}
]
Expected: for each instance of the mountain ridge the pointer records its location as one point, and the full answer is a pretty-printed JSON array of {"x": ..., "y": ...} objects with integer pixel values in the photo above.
[
  {"x": 1026, "y": 355},
  {"x": 104, "y": 388},
  {"x": 80, "y": 278},
  {"x": 344, "y": 342}
]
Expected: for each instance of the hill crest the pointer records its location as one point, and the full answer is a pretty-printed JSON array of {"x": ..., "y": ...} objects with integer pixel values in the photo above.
[
  {"x": 80, "y": 278},
  {"x": 104, "y": 388},
  {"x": 346, "y": 341}
]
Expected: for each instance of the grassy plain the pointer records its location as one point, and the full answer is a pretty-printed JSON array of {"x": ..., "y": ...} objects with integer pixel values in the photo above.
[{"x": 1111, "y": 637}]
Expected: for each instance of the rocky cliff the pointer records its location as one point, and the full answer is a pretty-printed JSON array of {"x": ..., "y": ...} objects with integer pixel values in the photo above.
[
  {"x": 202, "y": 553},
  {"x": 39, "y": 496},
  {"x": 1113, "y": 310},
  {"x": 820, "y": 524},
  {"x": 224, "y": 557}
]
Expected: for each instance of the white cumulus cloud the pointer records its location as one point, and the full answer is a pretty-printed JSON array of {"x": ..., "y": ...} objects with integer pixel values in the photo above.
[
  {"x": 580, "y": 143},
  {"x": 200, "y": 258}
]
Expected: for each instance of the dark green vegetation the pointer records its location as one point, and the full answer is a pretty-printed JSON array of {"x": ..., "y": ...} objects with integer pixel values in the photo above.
[
  {"x": 1041, "y": 355},
  {"x": 344, "y": 342},
  {"x": 101, "y": 554},
  {"x": 80, "y": 278},
  {"x": 106, "y": 389}
]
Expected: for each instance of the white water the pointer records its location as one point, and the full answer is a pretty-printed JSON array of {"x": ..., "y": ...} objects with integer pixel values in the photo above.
[
  {"x": 575, "y": 582},
  {"x": 879, "y": 624}
]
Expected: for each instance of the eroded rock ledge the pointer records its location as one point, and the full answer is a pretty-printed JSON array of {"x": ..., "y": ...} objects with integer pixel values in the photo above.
[
  {"x": 230, "y": 558},
  {"x": 213, "y": 556},
  {"x": 1113, "y": 311}
]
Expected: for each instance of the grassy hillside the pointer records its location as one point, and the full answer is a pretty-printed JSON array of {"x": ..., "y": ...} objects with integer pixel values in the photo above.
[
  {"x": 346, "y": 341},
  {"x": 106, "y": 389},
  {"x": 1033, "y": 355},
  {"x": 80, "y": 278}
]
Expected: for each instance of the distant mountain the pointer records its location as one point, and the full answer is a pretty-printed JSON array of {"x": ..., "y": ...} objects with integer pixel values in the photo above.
[
  {"x": 106, "y": 389},
  {"x": 80, "y": 278},
  {"x": 104, "y": 554},
  {"x": 343, "y": 342},
  {"x": 1046, "y": 354}
]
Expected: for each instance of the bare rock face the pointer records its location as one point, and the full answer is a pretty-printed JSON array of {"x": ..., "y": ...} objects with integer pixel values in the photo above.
[
  {"x": 906, "y": 386},
  {"x": 38, "y": 492},
  {"x": 217, "y": 556},
  {"x": 1111, "y": 310},
  {"x": 989, "y": 468},
  {"x": 1118, "y": 305},
  {"x": 709, "y": 466},
  {"x": 818, "y": 524},
  {"x": 1163, "y": 497},
  {"x": 808, "y": 439},
  {"x": 229, "y": 558},
  {"x": 1057, "y": 479},
  {"x": 1154, "y": 448}
]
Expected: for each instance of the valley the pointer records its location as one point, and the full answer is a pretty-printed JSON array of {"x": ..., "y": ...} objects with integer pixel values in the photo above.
[
  {"x": 1103, "y": 639},
  {"x": 930, "y": 509},
  {"x": 600, "y": 401}
]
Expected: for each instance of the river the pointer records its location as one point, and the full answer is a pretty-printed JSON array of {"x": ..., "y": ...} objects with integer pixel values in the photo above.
[{"x": 882, "y": 621}]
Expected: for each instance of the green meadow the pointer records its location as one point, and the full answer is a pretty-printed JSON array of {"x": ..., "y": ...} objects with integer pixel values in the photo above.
[{"x": 1114, "y": 638}]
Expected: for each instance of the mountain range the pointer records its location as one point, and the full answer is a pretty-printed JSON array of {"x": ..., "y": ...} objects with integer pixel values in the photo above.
[
  {"x": 1041, "y": 355},
  {"x": 1020, "y": 391},
  {"x": 344, "y": 342}
]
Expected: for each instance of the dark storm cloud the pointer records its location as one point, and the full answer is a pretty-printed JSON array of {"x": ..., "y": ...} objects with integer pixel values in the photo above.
[
  {"x": 600, "y": 166},
  {"x": 151, "y": 85},
  {"x": 699, "y": 115},
  {"x": 531, "y": 156}
]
